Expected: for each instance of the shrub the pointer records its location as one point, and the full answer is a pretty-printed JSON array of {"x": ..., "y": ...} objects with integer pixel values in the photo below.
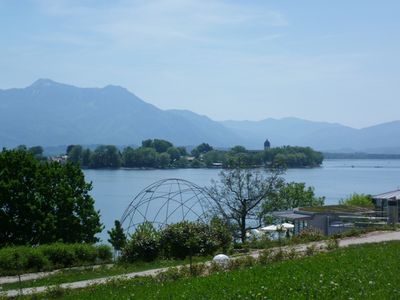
[
  {"x": 143, "y": 245},
  {"x": 104, "y": 253},
  {"x": 310, "y": 235},
  {"x": 292, "y": 253},
  {"x": 221, "y": 234},
  {"x": 278, "y": 255},
  {"x": 171, "y": 274},
  {"x": 264, "y": 257},
  {"x": 310, "y": 250},
  {"x": 185, "y": 239},
  {"x": 23, "y": 259},
  {"x": 13, "y": 260},
  {"x": 332, "y": 244},
  {"x": 85, "y": 254},
  {"x": 198, "y": 269},
  {"x": 60, "y": 255},
  {"x": 36, "y": 261},
  {"x": 358, "y": 200}
]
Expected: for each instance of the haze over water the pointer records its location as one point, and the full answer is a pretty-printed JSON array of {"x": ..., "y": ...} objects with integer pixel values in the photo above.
[{"x": 113, "y": 190}]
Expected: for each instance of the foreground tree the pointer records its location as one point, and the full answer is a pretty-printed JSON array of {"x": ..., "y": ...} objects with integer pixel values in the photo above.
[
  {"x": 44, "y": 202},
  {"x": 117, "y": 236},
  {"x": 291, "y": 195},
  {"x": 239, "y": 194}
]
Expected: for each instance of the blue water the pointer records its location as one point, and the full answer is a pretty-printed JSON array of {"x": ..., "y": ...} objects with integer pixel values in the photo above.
[{"x": 113, "y": 190}]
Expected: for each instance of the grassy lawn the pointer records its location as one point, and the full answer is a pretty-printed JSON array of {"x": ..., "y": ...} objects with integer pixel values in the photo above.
[
  {"x": 72, "y": 275},
  {"x": 361, "y": 272}
]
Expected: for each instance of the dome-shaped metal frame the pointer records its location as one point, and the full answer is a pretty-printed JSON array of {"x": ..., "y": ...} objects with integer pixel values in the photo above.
[{"x": 167, "y": 201}]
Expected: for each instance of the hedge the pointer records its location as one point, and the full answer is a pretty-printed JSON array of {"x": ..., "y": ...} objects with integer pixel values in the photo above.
[{"x": 24, "y": 259}]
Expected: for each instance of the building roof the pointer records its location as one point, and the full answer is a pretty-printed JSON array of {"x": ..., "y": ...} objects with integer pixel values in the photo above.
[
  {"x": 335, "y": 209},
  {"x": 389, "y": 195},
  {"x": 291, "y": 215}
]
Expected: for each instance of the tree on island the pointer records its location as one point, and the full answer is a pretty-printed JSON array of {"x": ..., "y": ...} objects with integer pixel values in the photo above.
[
  {"x": 44, "y": 202},
  {"x": 201, "y": 149}
]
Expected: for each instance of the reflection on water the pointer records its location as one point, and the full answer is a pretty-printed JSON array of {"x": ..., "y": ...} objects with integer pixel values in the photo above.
[{"x": 336, "y": 179}]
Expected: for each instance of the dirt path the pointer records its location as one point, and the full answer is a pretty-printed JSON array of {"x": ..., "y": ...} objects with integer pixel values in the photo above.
[{"x": 373, "y": 237}]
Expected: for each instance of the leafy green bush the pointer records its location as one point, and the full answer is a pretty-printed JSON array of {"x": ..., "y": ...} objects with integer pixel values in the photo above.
[
  {"x": 185, "y": 239},
  {"x": 144, "y": 244},
  {"x": 60, "y": 255},
  {"x": 221, "y": 234},
  {"x": 13, "y": 259},
  {"x": 309, "y": 235},
  {"x": 35, "y": 260},
  {"x": 332, "y": 244},
  {"x": 104, "y": 253},
  {"x": 85, "y": 253},
  {"x": 358, "y": 200},
  {"x": 23, "y": 259}
]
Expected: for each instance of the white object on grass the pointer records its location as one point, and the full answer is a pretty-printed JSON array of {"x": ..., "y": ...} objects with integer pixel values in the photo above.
[{"x": 222, "y": 260}]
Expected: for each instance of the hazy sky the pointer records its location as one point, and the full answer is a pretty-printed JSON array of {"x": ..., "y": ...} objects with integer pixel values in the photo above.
[{"x": 335, "y": 61}]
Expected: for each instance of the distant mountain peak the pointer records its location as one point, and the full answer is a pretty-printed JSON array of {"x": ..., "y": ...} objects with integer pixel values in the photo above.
[{"x": 43, "y": 82}]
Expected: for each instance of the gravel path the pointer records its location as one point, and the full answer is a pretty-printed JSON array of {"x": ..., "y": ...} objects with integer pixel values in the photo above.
[{"x": 373, "y": 237}]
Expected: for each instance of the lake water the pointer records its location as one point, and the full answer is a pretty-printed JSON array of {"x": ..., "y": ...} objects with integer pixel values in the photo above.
[{"x": 113, "y": 190}]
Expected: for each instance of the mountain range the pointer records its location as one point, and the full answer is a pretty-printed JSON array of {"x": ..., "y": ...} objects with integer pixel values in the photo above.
[{"x": 49, "y": 113}]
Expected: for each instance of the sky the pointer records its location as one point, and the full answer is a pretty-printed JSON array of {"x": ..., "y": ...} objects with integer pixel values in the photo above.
[{"x": 335, "y": 61}]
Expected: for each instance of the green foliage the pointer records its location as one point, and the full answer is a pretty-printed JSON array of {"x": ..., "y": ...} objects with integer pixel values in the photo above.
[
  {"x": 201, "y": 149},
  {"x": 358, "y": 200},
  {"x": 174, "y": 153},
  {"x": 221, "y": 233},
  {"x": 184, "y": 239},
  {"x": 106, "y": 156},
  {"x": 291, "y": 157},
  {"x": 161, "y": 146},
  {"x": 44, "y": 202},
  {"x": 164, "y": 160},
  {"x": 196, "y": 164},
  {"x": 104, "y": 253},
  {"x": 75, "y": 154},
  {"x": 18, "y": 259},
  {"x": 291, "y": 195},
  {"x": 332, "y": 244},
  {"x": 239, "y": 194},
  {"x": 37, "y": 152},
  {"x": 153, "y": 154},
  {"x": 144, "y": 244},
  {"x": 117, "y": 236},
  {"x": 238, "y": 149},
  {"x": 309, "y": 235}
]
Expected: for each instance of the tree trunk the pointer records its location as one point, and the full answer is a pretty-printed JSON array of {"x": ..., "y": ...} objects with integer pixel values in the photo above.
[{"x": 243, "y": 229}]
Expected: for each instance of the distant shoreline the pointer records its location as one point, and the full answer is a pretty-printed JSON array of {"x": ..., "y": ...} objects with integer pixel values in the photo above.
[{"x": 328, "y": 155}]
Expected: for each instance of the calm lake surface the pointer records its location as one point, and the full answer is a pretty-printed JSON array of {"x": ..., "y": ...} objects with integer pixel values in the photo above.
[{"x": 113, "y": 190}]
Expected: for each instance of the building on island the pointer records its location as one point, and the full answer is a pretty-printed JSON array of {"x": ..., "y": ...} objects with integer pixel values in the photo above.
[{"x": 267, "y": 144}]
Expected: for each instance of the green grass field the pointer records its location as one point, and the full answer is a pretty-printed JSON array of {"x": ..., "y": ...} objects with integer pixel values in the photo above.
[
  {"x": 362, "y": 272},
  {"x": 71, "y": 275}
]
